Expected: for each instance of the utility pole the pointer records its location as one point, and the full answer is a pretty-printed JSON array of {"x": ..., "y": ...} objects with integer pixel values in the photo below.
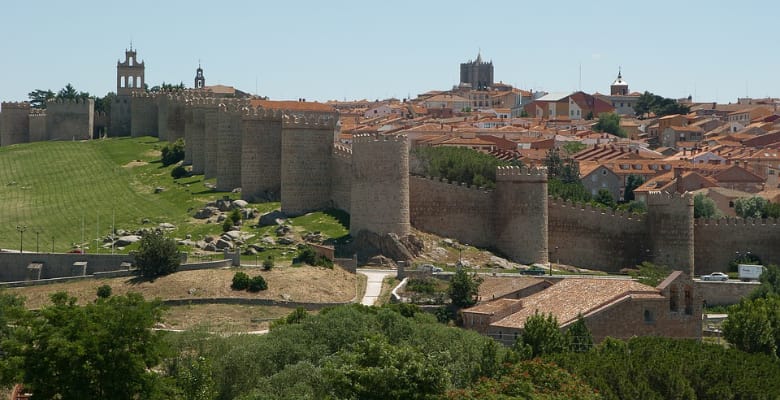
[
  {"x": 21, "y": 229},
  {"x": 37, "y": 232}
]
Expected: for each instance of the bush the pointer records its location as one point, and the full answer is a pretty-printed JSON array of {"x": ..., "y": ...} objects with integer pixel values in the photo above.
[
  {"x": 307, "y": 255},
  {"x": 426, "y": 286},
  {"x": 240, "y": 281},
  {"x": 173, "y": 153},
  {"x": 157, "y": 255},
  {"x": 227, "y": 225},
  {"x": 178, "y": 172},
  {"x": 235, "y": 217},
  {"x": 104, "y": 291},
  {"x": 268, "y": 263},
  {"x": 257, "y": 284}
]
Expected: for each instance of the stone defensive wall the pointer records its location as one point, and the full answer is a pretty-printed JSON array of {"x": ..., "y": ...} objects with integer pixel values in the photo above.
[
  {"x": 452, "y": 210},
  {"x": 261, "y": 156},
  {"x": 144, "y": 116},
  {"x": 380, "y": 185},
  {"x": 307, "y": 142},
  {"x": 211, "y": 130},
  {"x": 170, "y": 116},
  {"x": 31, "y": 266},
  {"x": 521, "y": 218},
  {"x": 229, "y": 147},
  {"x": 120, "y": 116},
  {"x": 724, "y": 293},
  {"x": 37, "y": 125},
  {"x": 670, "y": 225},
  {"x": 68, "y": 119},
  {"x": 594, "y": 237},
  {"x": 14, "y": 123},
  {"x": 341, "y": 177},
  {"x": 718, "y": 241}
]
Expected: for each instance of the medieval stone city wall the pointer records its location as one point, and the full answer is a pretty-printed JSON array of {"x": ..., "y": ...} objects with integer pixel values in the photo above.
[
  {"x": 14, "y": 123},
  {"x": 521, "y": 216},
  {"x": 196, "y": 137},
  {"x": 170, "y": 114},
  {"x": 37, "y": 125},
  {"x": 101, "y": 124},
  {"x": 670, "y": 225},
  {"x": 68, "y": 119},
  {"x": 261, "y": 157},
  {"x": 229, "y": 147},
  {"x": 211, "y": 132},
  {"x": 307, "y": 140},
  {"x": 594, "y": 237},
  {"x": 380, "y": 185},
  {"x": 718, "y": 241},
  {"x": 452, "y": 210},
  {"x": 341, "y": 178},
  {"x": 120, "y": 116},
  {"x": 144, "y": 115}
]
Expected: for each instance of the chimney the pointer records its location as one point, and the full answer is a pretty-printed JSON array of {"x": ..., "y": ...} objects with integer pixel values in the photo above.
[{"x": 678, "y": 180}]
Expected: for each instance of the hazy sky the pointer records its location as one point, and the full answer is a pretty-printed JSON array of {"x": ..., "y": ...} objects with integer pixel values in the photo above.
[{"x": 713, "y": 50}]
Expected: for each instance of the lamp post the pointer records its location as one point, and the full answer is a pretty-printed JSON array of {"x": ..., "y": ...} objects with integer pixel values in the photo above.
[
  {"x": 21, "y": 229},
  {"x": 37, "y": 232}
]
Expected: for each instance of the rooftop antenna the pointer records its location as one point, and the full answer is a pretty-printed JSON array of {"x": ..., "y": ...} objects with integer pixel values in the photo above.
[{"x": 131, "y": 44}]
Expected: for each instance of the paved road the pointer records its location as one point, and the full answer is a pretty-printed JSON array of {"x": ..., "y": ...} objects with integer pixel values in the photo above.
[{"x": 374, "y": 284}]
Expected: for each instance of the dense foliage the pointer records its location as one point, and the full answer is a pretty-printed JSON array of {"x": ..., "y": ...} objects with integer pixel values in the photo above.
[
  {"x": 173, "y": 152},
  {"x": 704, "y": 207},
  {"x": 659, "y": 106},
  {"x": 457, "y": 164},
  {"x": 307, "y": 255},
  {"x": 632, "y": 182},
  {"x": 157, "y": 255},
  {"x": 756, "y": 207},
  {"x": 610, "y": 123},
  {"x": 464, "y": 288}
]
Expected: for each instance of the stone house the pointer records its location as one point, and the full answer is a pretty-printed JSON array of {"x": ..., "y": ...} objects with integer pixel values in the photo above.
[{"x": 619, "y": 308}]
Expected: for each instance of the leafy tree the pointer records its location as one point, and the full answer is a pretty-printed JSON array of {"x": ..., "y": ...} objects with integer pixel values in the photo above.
[
  {"x": 268, "y": 263},
  {"x": 103, "y": 104},
  {"x": 604, "y": 197},
  {"x": 541, "y": 335},
  {"x": 573, "y": 147},
  {"x": 167, "y": 87},
  {"x": 193, "y": 377},
  {"x": 752, "y": 207},
  {"x": 227, "y": 225},
  {"x": 11, "y": 313},
  {"x": 564, "y": 168},
  {"x": 769, "y": 282},
  {"x": 173, "y": 152},
  {"x": 632, "y": 182},
  {"x": 294, "y": 317},
  {"x": 103, "y": 350},
  {"x": 178, "y": 172},
  {"x": 650, "y": 274},
  {"x": 633, "y": 206},
  {"x": 744, "y": 258},
  {"x": 307, "y": 255},
  {"x": 660, "y": 106},
  {"x": 39, "y": 97},
  {"x": 157, "y": 255},
  {"x": 610, "y": 123},
  {"x": 704, "y": 207},
  {"x": 574, "y": 191},
  {"x": 772, "y": 210},
  {"x": 464, "y": 288},
  {"x": 457, "y": 164},
  {"x": 754, "y": 325},
  {"x": 104, "y": 291},
  {"x": 69, "y": 92},
  {"x": 578, "y": 335}
]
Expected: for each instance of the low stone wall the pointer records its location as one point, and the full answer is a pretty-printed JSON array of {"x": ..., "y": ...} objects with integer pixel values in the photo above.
[
  {"x": 13, "y": 266},
  {"x": 723, "y": 293},
  {"x": 254, "y": 302}
]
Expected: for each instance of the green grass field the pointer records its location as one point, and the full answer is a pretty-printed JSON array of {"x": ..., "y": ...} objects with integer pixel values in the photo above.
[{"x": 70, "y": 192}]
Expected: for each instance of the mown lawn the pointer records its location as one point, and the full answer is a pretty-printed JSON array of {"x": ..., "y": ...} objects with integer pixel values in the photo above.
[{"x": 72, "y": 192}]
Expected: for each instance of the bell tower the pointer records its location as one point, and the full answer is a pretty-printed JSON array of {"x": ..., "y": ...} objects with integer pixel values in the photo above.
[
  {"x": 200, "y": 81},
  {"x": 129, "y": 74},
  {"x": 619, "y": 87}
]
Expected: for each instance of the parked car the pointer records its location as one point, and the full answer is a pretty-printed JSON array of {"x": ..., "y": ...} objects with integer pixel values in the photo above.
[
  {"x": 534, "y": 270},
  {"x": 715, "y": 276}
]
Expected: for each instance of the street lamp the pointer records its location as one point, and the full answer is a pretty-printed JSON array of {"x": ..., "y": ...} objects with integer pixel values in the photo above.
[
  {"x": 21, "y": 229},
  {"x": 37, "y": 232}
]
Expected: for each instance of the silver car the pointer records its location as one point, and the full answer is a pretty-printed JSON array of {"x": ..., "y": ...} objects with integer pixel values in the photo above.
[{"x": 715, "y": 276}]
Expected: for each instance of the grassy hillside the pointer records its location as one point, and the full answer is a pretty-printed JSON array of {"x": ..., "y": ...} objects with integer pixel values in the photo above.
[{"x": 57, "y": 188}]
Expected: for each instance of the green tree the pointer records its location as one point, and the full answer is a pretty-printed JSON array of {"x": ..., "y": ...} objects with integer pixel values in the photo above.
[
  {"x": 39, "y": 97},
  {"x": 604, "y": 197},
  {"x": 632, "y": 182},
  {"x": 579, "y": 336},
  {"x": 240, "y": 281},
  {"x": 704, "y": 207},
  {"x": 633, "y": 206},
  {"x": 157, "y": 255},
  {"x": 769, "y": 282},
  {"x": 751, "y": 207},
  {"x": 754, "y": 325},
  {"x": 235, "y": 216},
  {"x": 574, "y": 191},
  {"x": 103, "y": 350},
  {"x": 573, "y": 147},
  {"x": 193, "y": 377},
  {"x": 457, "y": 164},
  {"x": 772, "y": 210},
  {"x": 650, "y": 274},
  {"x": 610, "y": 123},
  {"x": 268, "y": 263},
  {"x": 173, "y": 152},
  {"x": 178, "y": 172},
  {"x": 659, "y": 106},
  {"x": 566, "y": 169},
  {"x": 257, "y": 283},
  {"x": 104, "y": 291},
  {"x": 541, "y": 335},
  {"x": 463, "y": 288},
  {"x": 11, "y": 313}
]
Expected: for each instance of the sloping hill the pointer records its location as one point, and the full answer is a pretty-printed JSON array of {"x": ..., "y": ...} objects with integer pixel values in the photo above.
[{"x": 73, "y": 190}]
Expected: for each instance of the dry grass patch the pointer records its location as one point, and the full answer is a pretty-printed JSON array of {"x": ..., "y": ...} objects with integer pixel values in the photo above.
[
  {"x": 223, "y": 318},
  {"x": 301, "y": 284}
]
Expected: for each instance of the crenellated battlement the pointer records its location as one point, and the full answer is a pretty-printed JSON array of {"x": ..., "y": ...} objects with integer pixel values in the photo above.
[
  {"x": 657, "y": 198},
  {"x": 307, "y": 120},
  {"x": 589, "y": 208},
  {"x": 342, "y": 152},
  {"x": 531, "y": 174},
  {"x": 13, "y": 105},
  {"x": 37, "y": 112},
  {"x": 453, "y": 184},
  {"x": 735, "y": 221},
  {"x": 376, "y": 138},
  {"x": 262, "y": 113},
  {"x": 76, "y": 101},
  {"x": 144, "y": 94}
]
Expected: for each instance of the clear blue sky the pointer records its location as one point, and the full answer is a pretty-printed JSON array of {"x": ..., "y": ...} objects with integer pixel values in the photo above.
[{"x": 320, "y": 50}]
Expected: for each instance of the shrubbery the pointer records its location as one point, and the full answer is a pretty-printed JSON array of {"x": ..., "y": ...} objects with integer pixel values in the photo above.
[
  {"x": 307, "y": 255},
  {"x": 157, "y": 255},
  {"x": 242, "y": 281},
  {"x": 173, "y": 152},
  {"x": 178, "y": 172}
]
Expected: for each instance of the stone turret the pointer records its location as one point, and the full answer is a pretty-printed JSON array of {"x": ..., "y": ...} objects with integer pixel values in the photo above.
[
  {"x": 261, "y": 157},
  {"x": 143, "y": 121},
  {"x": 380, "y": 185},
  {"x": 14, "y": 123},
  {"x": 520, "y": 220},
  {"x": 307, "y": 139},
  {"x": 670, "y": 225},
  {"x": 211, "y": 132},
  {"x": 229, "y": 144}
]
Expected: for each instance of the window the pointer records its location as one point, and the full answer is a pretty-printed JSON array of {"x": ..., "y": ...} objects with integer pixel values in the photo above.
[
  {"x": 688, "y": 301},
  {"x": 673, "y": 306},
  {"x": 649, "y": 319}
]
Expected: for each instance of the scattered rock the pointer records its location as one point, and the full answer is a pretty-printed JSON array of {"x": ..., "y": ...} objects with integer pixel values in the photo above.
[
  {"x": 221, "y": 218},
  {"x": 449, "y": 242},
  {"x": 206, "y": 212},
  {"x": 236, "y": 190},
  {"x": 224, "y": 244},
  {"x": 313, "y": 237},
  {"x": 282, "y": 230},
  {"x": 381, "y": 261},
  {"x": 166, "y": 226},
  {"x": 127, "y": 240},
  {"x": 210, "y": 247},
  {"x": 275, "y": 217},
  {"x": 286, "y": 297},
  {"x": 249, "y": 251},
  {"x": 285, "y": 240},
  {"x": 232, "y": 235},
  {"x": 188, "y": 236},
  {"x": 257, "y": 248},
  {"x": 145, "y": 221},
  {"x": 240, "y": 204},
  {"x": 268, "y": 241},
  {"x": 208, "y": 239},
  {"x": 158, "y": 189}
]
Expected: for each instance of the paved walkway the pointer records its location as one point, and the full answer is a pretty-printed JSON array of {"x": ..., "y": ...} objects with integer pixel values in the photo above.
[{"x": 374, "y": 284}]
